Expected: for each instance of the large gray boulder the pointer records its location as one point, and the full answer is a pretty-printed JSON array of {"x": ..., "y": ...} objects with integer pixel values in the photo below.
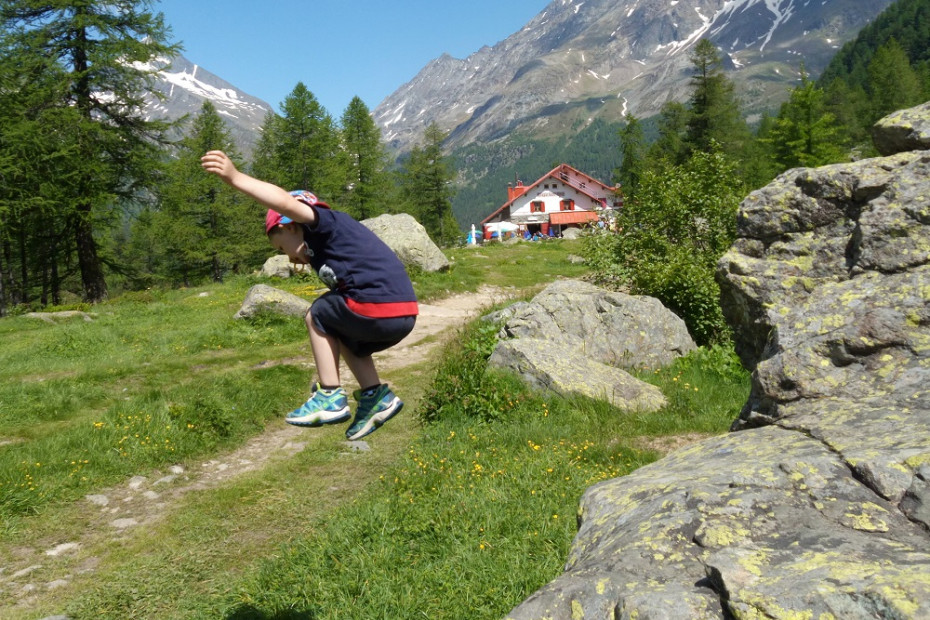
[
  {"x": 575, "y": 338},
  {"x": 409, "y": 240},
  {"x": 772, "y": 526},
  {"x": 566, "y": 370},
  {"x": 819, "y": 507},
  {"x": 622, "y": 330},
  {"x": 277, "y": 266},
  {"x": 53, "y": 317},
  {"x": 816, "y": 228},
  {"x": 264, "y": 298},
  {"x": 905, "y": 130}
]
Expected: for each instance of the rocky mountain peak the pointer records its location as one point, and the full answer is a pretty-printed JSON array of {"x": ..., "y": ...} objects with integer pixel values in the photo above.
[
  {"x": 579, "y": 59},
  {"x": 186, "y": 86}
]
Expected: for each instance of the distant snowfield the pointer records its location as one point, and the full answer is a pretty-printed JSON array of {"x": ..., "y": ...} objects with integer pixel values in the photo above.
[
  {"x": 781, "y": 11},
  {"x": 219, "y": 96},
  {"x": 225, "y": 97}
]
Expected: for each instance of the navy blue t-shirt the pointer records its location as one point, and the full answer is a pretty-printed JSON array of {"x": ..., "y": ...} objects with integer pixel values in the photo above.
[{"x": 352, "y": 260}]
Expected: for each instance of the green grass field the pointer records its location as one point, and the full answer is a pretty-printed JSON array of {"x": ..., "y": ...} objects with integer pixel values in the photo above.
[{"x": 462, "y": 508}]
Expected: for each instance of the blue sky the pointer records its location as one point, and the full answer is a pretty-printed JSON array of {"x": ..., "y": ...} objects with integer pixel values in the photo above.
[{"x": 337, "y": 48}]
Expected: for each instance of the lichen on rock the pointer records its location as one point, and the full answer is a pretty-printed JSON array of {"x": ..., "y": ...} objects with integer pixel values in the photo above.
[{"x": 818, "y": 504}]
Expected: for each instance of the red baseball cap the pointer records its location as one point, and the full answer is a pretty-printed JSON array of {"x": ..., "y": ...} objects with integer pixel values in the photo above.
[{"x": 273, "y": 218}]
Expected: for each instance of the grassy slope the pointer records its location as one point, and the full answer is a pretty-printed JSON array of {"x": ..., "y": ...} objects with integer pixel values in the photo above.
[{"x": 466, "y": 513}]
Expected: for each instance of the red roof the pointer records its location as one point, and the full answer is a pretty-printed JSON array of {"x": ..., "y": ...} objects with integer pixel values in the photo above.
[
  {"x": 560, "y": 173},
  {"x": 572, "y": 217}
]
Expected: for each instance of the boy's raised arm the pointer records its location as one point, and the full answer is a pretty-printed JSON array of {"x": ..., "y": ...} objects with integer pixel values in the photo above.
[{"x": 268, "y": 194}]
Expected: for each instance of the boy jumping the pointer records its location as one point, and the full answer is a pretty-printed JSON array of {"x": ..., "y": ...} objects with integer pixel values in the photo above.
[{"x": 370, "y": 306}]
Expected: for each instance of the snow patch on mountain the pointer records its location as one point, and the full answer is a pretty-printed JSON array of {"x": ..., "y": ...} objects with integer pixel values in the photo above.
[
  {"x": 219, "y": 96},
  {"x": 578, "y": 52},
  {"x": 181, "y": 87}
]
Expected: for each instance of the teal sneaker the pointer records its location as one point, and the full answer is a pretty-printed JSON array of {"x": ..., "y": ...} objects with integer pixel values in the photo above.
[
  {"x": 323, "y": 407},
  {"x": 374, "y": 409}
]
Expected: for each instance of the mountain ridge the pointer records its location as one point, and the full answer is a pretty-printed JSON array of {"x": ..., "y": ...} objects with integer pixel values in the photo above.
[
  {"x": 607, "y": 57},
  {"x": 184, "y": 87}
]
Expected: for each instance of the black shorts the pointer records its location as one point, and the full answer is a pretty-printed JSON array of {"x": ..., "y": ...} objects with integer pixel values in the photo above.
[{"x": 362, "y": 335}]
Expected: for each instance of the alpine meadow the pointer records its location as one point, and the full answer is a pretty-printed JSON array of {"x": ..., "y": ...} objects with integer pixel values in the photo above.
[{"x": 145, "y": 467}]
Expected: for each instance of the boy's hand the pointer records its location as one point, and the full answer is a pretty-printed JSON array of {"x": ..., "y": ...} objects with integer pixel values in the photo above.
[
  {"x": 271, "y": 196},
  {"x": 218, "y": 163}
]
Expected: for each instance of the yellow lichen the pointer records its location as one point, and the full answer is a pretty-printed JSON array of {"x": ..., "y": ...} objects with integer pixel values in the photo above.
[
  {"x": 908, "y": 607},
  {"x": 834, "y": 321},
  {"x": 753, "y": 563},
  {"x": 865, "y": 521},
  {"x": 917, "y": 460},
  {"x": 577, "y": 611}
]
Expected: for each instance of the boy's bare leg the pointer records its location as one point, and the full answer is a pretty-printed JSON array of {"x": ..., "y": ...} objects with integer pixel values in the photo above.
[
  {"x": 362, "y": 367},
  {"x": 326, "y": 351}
]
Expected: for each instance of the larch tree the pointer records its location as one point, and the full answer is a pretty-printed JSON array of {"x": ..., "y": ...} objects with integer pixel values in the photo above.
[
  {"x": 368, "y": 188},
  {"x": 893, "y": 83},
  {"x": 300, "y": 148},
  {"x": 207, "y": 229},
  {"x": 714, "y": 114},
  {"x": 805, "y": 133},
  {"x": 95, "y": 60},
  {"x": 427, "y": 186},
  {"x": 672, "y": 125},
  {"x": 633, "y": 154}
]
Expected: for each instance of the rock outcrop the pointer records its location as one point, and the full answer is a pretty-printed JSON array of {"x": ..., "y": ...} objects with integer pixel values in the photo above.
[
  {"x": 566, "y": 370},
  {"x": 262, "y": 297},
  {"x": 612, "y": 328},
  {"x": 409, "y": 240},
  {"x": 278, "y": 266},
  {"x": 575, "y": 338},
  {"x": 54, "y": 317},
  {"x": 905, "y": 130},
  {"x": 819, "y": 507}
]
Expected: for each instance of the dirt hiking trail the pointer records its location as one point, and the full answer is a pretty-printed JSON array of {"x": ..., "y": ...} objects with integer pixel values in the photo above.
[{"x": 30, "y": 574}]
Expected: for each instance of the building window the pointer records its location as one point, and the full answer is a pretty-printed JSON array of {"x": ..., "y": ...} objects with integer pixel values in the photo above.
[
  {"x": 567, "y": 205},
  {"x": 537, "y": 206}
]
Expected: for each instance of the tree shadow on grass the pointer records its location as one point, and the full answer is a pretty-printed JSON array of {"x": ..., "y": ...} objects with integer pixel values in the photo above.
[{"x": 248, "y": 612}]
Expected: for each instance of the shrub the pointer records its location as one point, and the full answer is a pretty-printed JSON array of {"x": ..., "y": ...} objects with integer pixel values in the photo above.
[
  {"x": 465, "y": 387},
  {"x": 667, "y": 240},
  {"x": 689, "y": 290}
]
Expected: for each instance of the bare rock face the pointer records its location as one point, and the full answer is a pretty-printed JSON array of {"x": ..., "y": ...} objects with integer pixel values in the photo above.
[
  {"x": 262, "y": 297},
  {"x": 576, "y": 338},
  {"x": 820, "y": 505},
  {"x": 812, "y": 230},
  {"x": 905, "y": 130},
  {"x": 566, "y": 370},
  {"x": 627, "y": 331},
  {"x": 409, "y": 240},
  {"x": 278, "y": 266}
]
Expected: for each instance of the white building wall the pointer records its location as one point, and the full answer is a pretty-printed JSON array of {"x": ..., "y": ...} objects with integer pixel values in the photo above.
[
  {"x": 565, "y": 183},
  {"x": 552, "y": 199}
]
